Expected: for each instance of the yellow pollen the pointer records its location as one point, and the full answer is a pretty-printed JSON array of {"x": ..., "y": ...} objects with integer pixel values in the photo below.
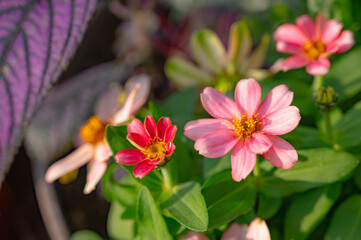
[
  {"x": 155, "y": 149},
  {"x": 244, "y": 126},
  {"x": 93, "y": 131},
  {"x": 314, "y": 49}
]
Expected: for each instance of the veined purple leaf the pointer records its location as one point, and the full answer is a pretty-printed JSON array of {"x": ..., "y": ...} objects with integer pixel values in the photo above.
[
  {"x": 59, "y": 118},
  {"x": 37, "y": 38}
]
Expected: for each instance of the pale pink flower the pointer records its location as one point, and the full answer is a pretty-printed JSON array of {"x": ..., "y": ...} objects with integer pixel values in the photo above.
[
  {"x": 154, "y": 143},
  {"x": 312, "y": 43},
  {"x": 246, "y": 126},
  {"x": 95, "y": 151},
  {"x": 257, "y": 230}
]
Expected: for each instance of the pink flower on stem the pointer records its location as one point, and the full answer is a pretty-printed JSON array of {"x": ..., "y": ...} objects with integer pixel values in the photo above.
[
  {"x": 257, "y": 230},
  {"x": 246, "y": 126},
  {"x": 154, "y": 143},
  {"x": 94, "y": 150},
  {"x": 312, "y": 43}
]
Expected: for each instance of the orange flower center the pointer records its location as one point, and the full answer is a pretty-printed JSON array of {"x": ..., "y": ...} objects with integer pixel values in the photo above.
[
  {"x": 155, "y": 149},
  {"x": 244, "y": 126},
  {"x": 93, "y": 131},
  {"x": 314, "y": 49}
]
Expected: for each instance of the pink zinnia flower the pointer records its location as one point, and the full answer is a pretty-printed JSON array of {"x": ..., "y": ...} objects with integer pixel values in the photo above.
[
  {"x": 94, "y": 149},
  {"x": 246, "y": 126},
  {"x": 311, "y": 43},
  {"x": 257, "y": 230},
  {"x": 154, "y": 142}
]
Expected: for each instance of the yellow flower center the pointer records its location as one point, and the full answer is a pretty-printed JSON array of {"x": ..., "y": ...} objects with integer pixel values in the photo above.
[
  {"x": 155, "y": 149},
  {"x": 314, "y": 49},
  {"x": 93, "y": 131},
  {"x": 244, "y": 126}
]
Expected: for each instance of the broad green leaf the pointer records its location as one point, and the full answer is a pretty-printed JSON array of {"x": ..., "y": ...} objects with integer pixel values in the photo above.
[
  {"x": 346, "y": 221},
  {"x": 357, "y": 176},
  {"x": 118, "y": 227},
  {"x": 268, "y": 206},
  {"x": 256, "y": 60},
  {"x": 308, "y": 210},
  {"x": 227, "y": 199},
  {"x": 208, "y": 50},
  {"x": 304, "y": 137},
  {"x": 150, "y": 222},
  {"x": 186, "y": 74},
  {"x": 214, "y": 165},
  {"x": 346, "y": 85},
  {"x": 85, "y": 235},
  {"x": 240, "y": 43},
  {"x": 348, "y": 129},
  {"x": 186, "y": 204},
  {"x": 116, "y": 137},
  {"x": 315, "y": 167}
]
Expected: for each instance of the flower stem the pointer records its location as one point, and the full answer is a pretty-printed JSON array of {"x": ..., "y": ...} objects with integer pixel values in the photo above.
[
  {"x": 317, "y": 82},
  {"x": 167, "y": 179},
  {"x": 257, "y": 169},
  {"x": 329, "y": 129}
]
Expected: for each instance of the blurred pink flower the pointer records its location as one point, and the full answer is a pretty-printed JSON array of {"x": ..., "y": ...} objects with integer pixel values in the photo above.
[
  {"x": 246, "y": 126},
  {"x": 312, "y": 43},
  {"x": 154, "y": 143},
  {"x": 257, "y": 230},
  {"x": 95, "y": 151}
]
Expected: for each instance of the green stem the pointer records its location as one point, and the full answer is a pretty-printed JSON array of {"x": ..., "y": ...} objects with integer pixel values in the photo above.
[
  {"x": 317, "y": 83},
  {"x": 329, "y": 129},
  {"x": 167, "y": 179},
  {"x": 257, "y": 169}
]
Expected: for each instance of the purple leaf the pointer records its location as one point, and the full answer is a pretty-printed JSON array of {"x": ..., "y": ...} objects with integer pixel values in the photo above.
[
  {"x": 37, "y": 38},
  {"x": 52, "y": 129}
]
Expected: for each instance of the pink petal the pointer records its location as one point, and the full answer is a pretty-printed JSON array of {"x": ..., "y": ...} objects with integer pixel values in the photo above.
[
  {"x": 107, "y": 104},
  {"x": 170, "y": 148},
  {"x": 290, "y": 33},
  {"x": 129, "y": 156},
  {"x": 278, "y": 98},
  {"x": 281, "y": 154},
  {"x": 191, "y": 235},
  {"x": 320, "y": 23},
  {"x": 138, "y": 141},
  {"x": 331, "y": 31},
  {"x": 281, "y": 122},
  {"x": 243, "y": 162},
  {"x": 73, "y": 161},
  {"x": 102, "y": 152},
  {"x": 95, "y": 173},
  {"x": 289, "y": 48},
  {"x": 259, "y": 143},
  {"x": 248, "y": 96},
  {"x": 142, "y": 169},
  {"x": 218, "y": 105},
  {"x": 344, "y": 42},
  {"x": 201, "y": 127},
  {"x": 162, "y": 126},
  {"x": 216, "y": 144},
  {"x": 307, "y": 25},
  {"x": 235, "y": 232},
  {"x": 258, "y": 230},
  {"x": 125, "y": 112},
  {"x": 319, "y": 67},
  {"x": 293, "y": 62},
  {"x": 150, "y": 126},
  {"x": 141, "y": 94},
  {"x": 170, "y": 133},
  {"x": 136, "y": 126}
]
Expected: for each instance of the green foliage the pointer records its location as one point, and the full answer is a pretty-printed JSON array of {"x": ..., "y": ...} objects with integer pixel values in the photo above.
[
  {"x": 268, "y": 206},
  {"x": 119, "y": 226},
  {"x": 85, "y": 235}
]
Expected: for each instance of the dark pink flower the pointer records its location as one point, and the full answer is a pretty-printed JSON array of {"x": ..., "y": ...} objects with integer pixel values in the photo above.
[
  {"x": 311, "y": 43},
  {"x": 154, "y": 143},
  {"x": 246, "y": 126}
]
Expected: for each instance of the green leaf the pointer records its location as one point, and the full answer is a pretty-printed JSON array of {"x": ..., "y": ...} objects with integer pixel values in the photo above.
[
  {"x": 185, "y": 74},
  {"x": 150, "y": 222},
  {"x": 357, "y": 176},
  {"x": 212, "y": 166},
  {"x": 240, "y": 43},
  {"x": 256, "y": 60},
  {"x": 186, "y": 204},
  {"x": 116, "y": 137},
  {"x": 85, "y": 235},
  {"x": 227, "y": 199},
  {"x": 346, "y": 222},
  {"x": 308, "y": 210},
  {"x": 156, "y": 111},
  {"x": 346, "y": 85},
  {"x": 315, "y": 167},
  {"x": 268, "y": 206},
  {"x": 118, "y": 227},
  {"x": 306, "y": 137}
]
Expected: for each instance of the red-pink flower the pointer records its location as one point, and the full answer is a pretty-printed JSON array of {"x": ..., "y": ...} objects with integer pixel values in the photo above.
[
  {"x": 154, "y": 142},
  {"x": 246, "y": 126},
  {"x": 311, "y": 43}
]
